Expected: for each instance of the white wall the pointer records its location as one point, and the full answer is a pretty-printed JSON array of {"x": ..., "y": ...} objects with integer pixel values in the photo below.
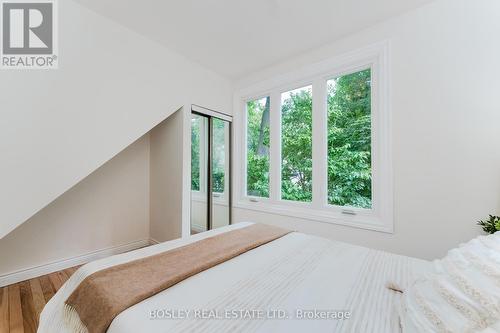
[
  {"x": 112, "y": 86},
  {"x": 166, "y": 178},
  {"x": 445, "y": 69},
  {"x": 107, "y": 209}
]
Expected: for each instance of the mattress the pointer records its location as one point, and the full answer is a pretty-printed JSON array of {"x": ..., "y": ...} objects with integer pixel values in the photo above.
[{"x": 294, "y": 284}]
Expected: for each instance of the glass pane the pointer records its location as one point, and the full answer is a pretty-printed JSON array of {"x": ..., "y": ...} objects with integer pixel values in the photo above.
[
  {"x": 219, "y": 155},
  {"x": 195, "y": 153},
  {"x": 199, "y": 160},
  {"x": 258, "y": 147},
  {"x": 220, "y": 173},
  {"x": 349, "y": 140},
  {"x": 296, "y": 144}
]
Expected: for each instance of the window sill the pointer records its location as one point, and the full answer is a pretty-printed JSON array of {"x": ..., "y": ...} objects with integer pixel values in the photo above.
[
  {"x": 360, "y": 221},
  {"x": 217, "y": 200}
]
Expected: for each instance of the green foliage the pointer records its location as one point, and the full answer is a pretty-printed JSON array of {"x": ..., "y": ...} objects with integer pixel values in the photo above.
[
  {"x": 218, "y": 181},
  {"x": 219, "y": 155},
  {"x": 349, "y": 140},
  {"x": 195, "y": 153},
  {"x": 296, "y": 146},
  {"x": 491, "y": 225},
  {"x": 219, "y": 146},
  {"x": 258, "y": 148},
  {"x": 258, "y": 175}
]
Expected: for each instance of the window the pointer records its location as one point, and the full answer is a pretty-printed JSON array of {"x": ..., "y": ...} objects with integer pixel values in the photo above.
[
  {"x": 258, "y": 147},
  {"x": 199, "y": 153},
  {"x": 296, "y": 144},
  {"x": 349, "y": 140},
  {"x": 322, "y": 151},
  {"x": 220, "y": 130},
  {"x": 196, "y": 128}
]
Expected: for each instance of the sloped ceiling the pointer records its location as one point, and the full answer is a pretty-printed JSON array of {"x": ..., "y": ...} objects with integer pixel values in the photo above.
[
  {"x": 236, "y": 37},
  {"x": 111, "y": 87}
]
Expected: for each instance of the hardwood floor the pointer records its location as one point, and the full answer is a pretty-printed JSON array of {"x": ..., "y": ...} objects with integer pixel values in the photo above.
[{"x": 21, "y": 303}]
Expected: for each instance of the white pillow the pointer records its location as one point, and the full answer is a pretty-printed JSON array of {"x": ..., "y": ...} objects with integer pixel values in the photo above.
[{"x": 463, "y": 295}]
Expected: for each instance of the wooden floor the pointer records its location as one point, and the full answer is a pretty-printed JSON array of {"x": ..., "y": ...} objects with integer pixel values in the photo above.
[{"x": 21, "y": 303}]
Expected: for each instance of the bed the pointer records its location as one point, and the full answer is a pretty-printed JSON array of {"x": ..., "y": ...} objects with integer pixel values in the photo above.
[{"x": 297, "y": 283}]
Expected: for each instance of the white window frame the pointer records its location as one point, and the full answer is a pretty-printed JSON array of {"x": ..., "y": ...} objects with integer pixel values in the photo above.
[{"x": 380, "y": 217}]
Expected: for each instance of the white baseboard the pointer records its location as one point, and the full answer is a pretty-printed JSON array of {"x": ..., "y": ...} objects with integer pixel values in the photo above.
[{"x": 30, "y": 273}]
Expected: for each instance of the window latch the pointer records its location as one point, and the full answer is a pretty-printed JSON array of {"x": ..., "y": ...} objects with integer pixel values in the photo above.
[
  {"x": 348, "y": 212},
  {"x": 253, "y": 200}
]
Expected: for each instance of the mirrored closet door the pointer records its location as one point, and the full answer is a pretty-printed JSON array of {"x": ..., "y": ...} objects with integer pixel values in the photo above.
[{"x": 210, "y": 170}]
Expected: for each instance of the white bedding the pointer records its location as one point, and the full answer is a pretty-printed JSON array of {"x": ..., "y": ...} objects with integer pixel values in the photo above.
[
  {"x": 296, "y": 272},
  {"x": 462, "y": 294}
]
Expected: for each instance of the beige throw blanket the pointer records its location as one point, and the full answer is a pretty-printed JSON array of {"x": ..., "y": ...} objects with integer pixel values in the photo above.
[{"x": 106, "y": 293}]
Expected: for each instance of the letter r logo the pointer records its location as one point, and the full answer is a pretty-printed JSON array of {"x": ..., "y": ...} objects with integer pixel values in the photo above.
[{"x": 27, "y": 28}]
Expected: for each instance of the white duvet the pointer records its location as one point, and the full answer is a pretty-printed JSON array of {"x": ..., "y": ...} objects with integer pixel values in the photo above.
[{"x": 298, "y": 283}]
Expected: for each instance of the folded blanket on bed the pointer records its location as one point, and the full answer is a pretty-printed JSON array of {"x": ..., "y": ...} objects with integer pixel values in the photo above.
[{"x": 106, "y": 293}]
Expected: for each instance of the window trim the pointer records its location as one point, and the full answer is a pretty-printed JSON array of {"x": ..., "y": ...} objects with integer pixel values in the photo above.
[{"x": 380, "y": 217}]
